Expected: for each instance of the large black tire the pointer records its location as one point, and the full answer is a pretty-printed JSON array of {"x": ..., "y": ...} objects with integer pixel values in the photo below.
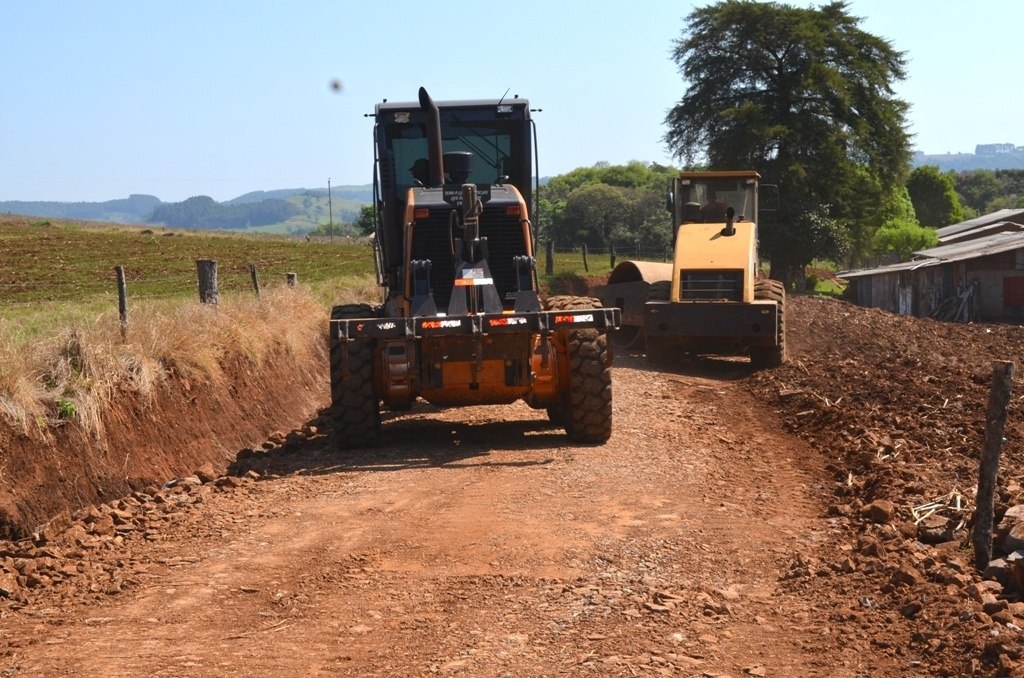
[
  {"x": 355, "y": 405},
  {"x": 762, "y": 357},
  {"x": 585, "y": 407}
]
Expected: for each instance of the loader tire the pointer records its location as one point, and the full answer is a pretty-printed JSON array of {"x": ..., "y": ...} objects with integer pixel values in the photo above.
[
  {"x": 762, "y": 357},
  {"x": 585, "y": 407},
  {"x": 355, "y": 405}
]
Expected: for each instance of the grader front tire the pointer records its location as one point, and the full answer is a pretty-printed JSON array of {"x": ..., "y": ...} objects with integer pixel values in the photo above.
[
  {"x": 355, "y": 406},
  {"x": 585, "y": 408}
]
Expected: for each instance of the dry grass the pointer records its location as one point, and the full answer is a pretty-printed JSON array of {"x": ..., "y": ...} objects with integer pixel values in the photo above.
[{"x": 72, "y": 374}]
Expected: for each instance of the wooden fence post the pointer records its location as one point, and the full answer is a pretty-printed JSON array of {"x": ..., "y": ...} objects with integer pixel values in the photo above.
[
  {"x": 549, "y": 265},
  {"x": 207, "y": 270},
  {"x": 586, "y": 267},
  {"x": 255, "y": 278},
  {"x": 611, "y": 250},
  {"x": 292, "y": 278},
  {"x": 122, "y": 301},
  {"x": 995, "y": 420}
]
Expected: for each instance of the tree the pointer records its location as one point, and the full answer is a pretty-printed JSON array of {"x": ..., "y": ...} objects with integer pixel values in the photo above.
[
  {"x": 644, "y": 220},
  {"x": 806, "y": 233},
  {"x": 598, "y": 210},
  {"x": 987, "y": 191},
  {"x": 936, "y": 203},
  {"x": 902, "y": 238},
  {"x": 366, "y": 223},
  {"x": 803, "y": 96}
]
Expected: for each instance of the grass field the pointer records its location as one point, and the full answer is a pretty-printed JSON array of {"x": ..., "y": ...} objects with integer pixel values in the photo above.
[
  {"x": 45, "y": 262},
  {"x": 48, "y": 261}
]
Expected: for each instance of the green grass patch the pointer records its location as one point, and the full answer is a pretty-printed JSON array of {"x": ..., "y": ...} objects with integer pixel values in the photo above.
[
  {"x": 829, "y": 288},
  {"x": 74, "y": 262}
]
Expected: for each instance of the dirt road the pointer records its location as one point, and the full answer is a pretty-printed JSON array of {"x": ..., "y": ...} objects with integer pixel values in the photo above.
[{"x": 473, "y": 542}]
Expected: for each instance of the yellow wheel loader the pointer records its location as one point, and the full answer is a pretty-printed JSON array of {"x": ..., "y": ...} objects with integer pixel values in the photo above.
[{"x": 710, "y": 299}]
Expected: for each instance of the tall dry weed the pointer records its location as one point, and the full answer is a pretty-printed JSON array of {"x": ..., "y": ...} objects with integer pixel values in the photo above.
[
  {"x": 21, "y": 394},
  {"x": 75, "y": 373}
]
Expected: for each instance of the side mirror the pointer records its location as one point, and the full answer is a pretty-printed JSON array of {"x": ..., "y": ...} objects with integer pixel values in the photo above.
[{"x": 769, "y": 198}]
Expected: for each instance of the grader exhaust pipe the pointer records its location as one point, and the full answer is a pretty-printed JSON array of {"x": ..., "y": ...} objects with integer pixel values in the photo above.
[{"x": 435, "y": 149}]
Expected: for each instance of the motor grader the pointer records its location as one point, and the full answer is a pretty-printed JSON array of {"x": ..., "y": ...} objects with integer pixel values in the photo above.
[
  {"x": 710, "y": 299},
  {"x": 461, "y": 322}
]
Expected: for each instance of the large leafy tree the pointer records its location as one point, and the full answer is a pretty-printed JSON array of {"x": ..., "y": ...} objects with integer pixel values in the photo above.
[
  {"x": 936, "y": 203},
  {"x": 598, "y": 209},
  {"x": 634, "y": 211},
  {"x": 902, "y": 237},
  {"x": 366, "y": 223},
  {"x": 805, "y": 97},
  {"x": 979, "y": 189}
]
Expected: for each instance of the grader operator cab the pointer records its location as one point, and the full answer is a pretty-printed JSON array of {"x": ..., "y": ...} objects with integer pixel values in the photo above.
[
  {"x": 710, "y": 299},
  {"x": 461, "y": 321}
]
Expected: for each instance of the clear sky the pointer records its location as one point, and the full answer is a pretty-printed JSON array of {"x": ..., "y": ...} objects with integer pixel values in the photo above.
[{"x": 105, "y": 98}]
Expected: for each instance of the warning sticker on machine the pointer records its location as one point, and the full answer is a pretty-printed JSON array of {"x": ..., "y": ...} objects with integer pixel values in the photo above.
[
  {"x": 510, "y": 321},
  {"x": 473, "y": 276},
  {"x": 574, "y": 318},
  {"x": 440, "y": 324}
]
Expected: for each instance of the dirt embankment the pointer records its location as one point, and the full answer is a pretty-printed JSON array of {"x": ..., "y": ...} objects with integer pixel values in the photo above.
[{"x": 182, "y": 427}]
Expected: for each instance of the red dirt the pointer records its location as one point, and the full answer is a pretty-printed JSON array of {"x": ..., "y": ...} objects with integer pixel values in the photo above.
[{"x": 725, "y": 529}]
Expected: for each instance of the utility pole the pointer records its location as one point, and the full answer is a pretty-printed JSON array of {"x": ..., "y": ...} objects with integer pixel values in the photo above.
[{"x": 330, "y": 211}]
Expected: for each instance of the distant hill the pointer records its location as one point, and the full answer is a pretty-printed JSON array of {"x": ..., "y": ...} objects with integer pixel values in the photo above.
[
  {"x": 361, "y": 194},
  {"x": 290, "y": 210},
  {"x": 133, "y": 210},
  {"x": 987, "y": 156}
]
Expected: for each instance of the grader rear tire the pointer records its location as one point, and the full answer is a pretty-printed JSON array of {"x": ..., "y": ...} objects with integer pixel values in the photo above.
[
  {"x": 762, "y": 357},
  {"x": 355, "y": 406},
  {"x": 585, "y": 408}
]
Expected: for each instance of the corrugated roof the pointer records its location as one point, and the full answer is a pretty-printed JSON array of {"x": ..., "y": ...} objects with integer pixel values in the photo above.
[
  {"x": 995, "y": 226},
  {"x": 984, "y": 220},
  {"x": 972, "y": 249},
  {"x": 890, "y": 268},
  {"x": 943, "y": 254}
]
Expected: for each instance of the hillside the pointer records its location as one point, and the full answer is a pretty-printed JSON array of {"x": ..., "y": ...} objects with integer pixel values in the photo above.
[
  {"x": 292, "y": 211},
  {"x": 133, "y": 210},
  {"x": 962, "y": 162}
]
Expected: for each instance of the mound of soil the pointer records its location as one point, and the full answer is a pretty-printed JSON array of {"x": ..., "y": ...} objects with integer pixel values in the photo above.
[
  {"x": 898, "y": 406},
  {"x": 573, "y": 284}
]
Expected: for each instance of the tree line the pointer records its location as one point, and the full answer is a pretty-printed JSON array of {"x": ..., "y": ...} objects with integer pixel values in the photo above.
[{"x": 206, "y": 213}]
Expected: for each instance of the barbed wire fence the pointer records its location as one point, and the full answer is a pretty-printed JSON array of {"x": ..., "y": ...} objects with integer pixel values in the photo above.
[
  {"x": 557, "y": 259},
  {"x": 552, "y": 258},
  {"x": 146, "y": 287},
  {"x": 207, "y": 281}
]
